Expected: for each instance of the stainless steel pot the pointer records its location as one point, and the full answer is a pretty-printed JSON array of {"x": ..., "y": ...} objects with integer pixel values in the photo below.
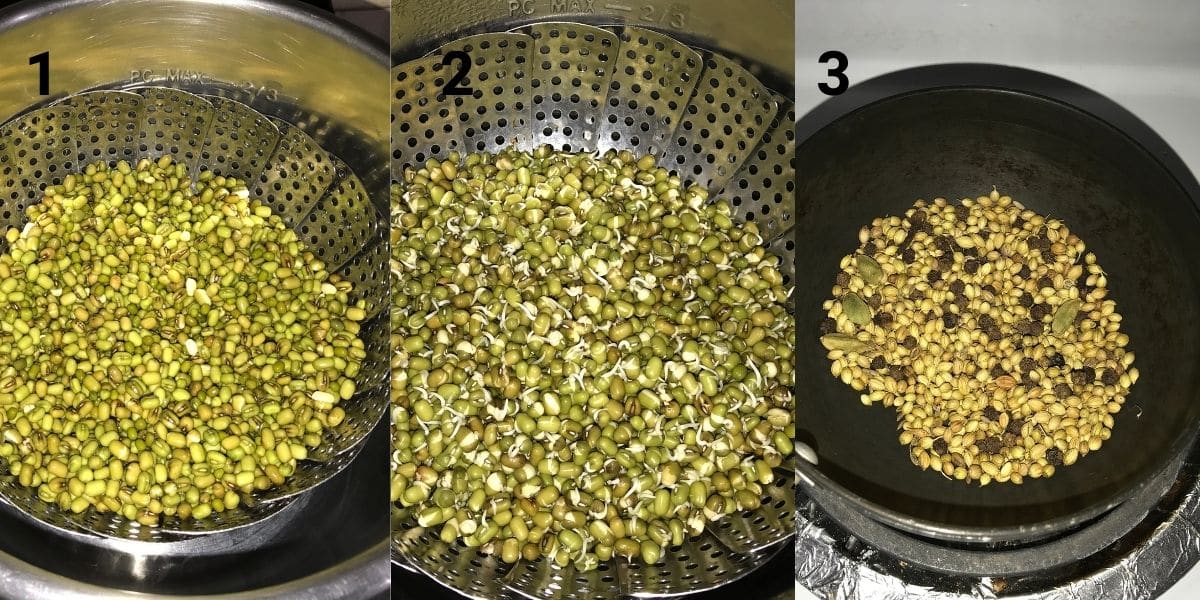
[
  {"x": 755, "y": 31},
  {"x": 308, "y": 74}
]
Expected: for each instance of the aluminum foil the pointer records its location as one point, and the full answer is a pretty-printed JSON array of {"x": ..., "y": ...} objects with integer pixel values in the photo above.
[{"x": 1144, "y": 563}]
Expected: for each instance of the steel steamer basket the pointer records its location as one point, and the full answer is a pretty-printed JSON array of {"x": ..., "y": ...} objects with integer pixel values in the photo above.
[{"x": 707, "y": 89}]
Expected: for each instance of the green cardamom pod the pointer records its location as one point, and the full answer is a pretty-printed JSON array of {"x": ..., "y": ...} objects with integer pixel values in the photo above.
[
  {"x": 845, "y": 343},
  {"x": 1064, "y": 317},
  {"x": 870, "y": 270},
  {"x": 856, "y": 310}
]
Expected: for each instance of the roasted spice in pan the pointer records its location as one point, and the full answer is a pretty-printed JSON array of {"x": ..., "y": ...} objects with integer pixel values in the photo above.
[{"x": 1001, "y": 353}]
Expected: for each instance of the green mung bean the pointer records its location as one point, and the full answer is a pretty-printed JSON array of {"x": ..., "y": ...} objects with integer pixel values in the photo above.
[{"x": 143, "y": 323}]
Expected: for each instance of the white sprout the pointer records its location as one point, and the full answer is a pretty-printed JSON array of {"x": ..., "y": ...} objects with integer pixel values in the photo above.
[{"x": 757, "y": 375}]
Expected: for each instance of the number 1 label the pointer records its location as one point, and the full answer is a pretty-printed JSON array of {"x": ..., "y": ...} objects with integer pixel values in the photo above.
[{"x": 43, "y": 62}]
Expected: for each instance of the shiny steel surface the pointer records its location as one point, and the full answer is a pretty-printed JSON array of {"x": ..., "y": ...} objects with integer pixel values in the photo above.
[
  {"x": 364, "y": 575},
  {"x": 594, "y": 89},
  {"x": 759, "y": 31},
  {"x": 281, "y": 59},
  {"x": 728, "y": 550},
  {"x": 277, "y": 94}
]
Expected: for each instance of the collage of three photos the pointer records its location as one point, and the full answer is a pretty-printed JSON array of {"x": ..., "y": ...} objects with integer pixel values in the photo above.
[{"x": 549, "y": 300}]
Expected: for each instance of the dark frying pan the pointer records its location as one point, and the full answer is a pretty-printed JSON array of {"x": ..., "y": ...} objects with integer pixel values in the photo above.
[{"x": 1062, "y": 150}]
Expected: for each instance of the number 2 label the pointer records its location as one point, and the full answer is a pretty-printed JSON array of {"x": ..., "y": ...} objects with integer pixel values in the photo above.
[{"x": 453, "y": 87}]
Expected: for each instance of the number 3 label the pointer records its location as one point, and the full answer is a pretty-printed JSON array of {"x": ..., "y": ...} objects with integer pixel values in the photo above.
[{"x": 837, "y": 71}]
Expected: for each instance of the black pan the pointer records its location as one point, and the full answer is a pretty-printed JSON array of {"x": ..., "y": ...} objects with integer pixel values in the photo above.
[{"x": 1061, "y": 150}]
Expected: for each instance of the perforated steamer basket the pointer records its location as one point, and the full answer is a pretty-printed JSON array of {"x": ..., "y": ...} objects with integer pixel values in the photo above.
[
  {"x": 591, "y": 89},
  {"x": 313, "y": 191},
  {"x": 270, "y": 93}
]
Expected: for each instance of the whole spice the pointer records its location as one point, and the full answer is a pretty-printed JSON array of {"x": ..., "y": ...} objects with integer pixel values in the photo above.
[
  {"x": 590, "y": 360},
  {"x": 856, "y": 310},
  {"x": 1025, "y": 326},
  {"x": 870, "y": 270},
  {"x": 167, "y": 347}
]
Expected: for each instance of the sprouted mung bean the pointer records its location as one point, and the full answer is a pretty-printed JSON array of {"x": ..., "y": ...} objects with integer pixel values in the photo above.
[
  {"x": 590, "y": 360},
  {"x": 165, "y": 349},
  {"x": 988, "y": 328}
]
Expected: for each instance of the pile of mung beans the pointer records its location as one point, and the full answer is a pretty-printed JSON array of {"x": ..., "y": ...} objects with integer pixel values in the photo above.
[
  {"x": 988, "y": 328},
  {"x": 167, "y": 347},
  {"x": 591, "y": 360}
]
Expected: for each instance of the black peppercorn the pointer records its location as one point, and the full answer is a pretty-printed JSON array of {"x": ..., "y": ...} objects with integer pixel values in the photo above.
[
  {"x": 828, "y": 326},
  {"x": 1031, "y": 327},
  {"x": 1110, "y": 377},
  {"x": 1015, "y": 426},
  {"x": 949, "y": 319},
  {"x": 944, "y": 243},
  {"x": 1039, "y": 311},
  {"x": 1083, "y": 376}
]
